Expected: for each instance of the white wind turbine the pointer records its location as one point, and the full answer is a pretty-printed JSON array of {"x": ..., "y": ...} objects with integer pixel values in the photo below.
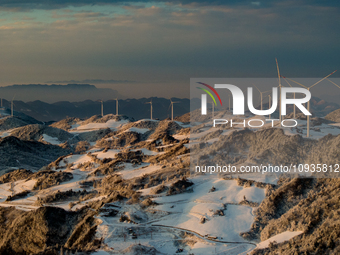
[
  {"x": 172, "y": 108},
  {"x": 151, "y": 106},
  {"x": 116, "y": 106},
  {"x": 308, "y": 104}
]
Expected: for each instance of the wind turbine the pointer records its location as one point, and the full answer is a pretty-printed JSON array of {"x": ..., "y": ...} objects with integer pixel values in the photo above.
[
  {"x": 308, "y": 104},
  {"x": 151, "y": 106},
  {"x": 116, "y": 106},
  {"x": 172, "y": 108}
]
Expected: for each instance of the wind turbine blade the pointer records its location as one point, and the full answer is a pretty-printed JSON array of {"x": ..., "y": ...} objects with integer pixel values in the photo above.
[
  {"x": 286, "y": 81},
  {"x": 334, "y": 83},
  {"x": 297, "y": 83},
  {"x": 278, "y": 71},
  {"x": 322, "y": 79},
  {"x": 257, "y": 88}
]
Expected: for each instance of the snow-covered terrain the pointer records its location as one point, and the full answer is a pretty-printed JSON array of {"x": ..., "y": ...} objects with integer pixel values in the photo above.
[
  {"x": 112, "y": 124},
  {"x": 207, "y": 217}
]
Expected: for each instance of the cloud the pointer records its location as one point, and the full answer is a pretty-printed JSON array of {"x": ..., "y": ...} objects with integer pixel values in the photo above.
[
  {"x": 171, "y": 42},
  {"x": 89, "y": 14},
  {"x": 21, "y": 5}
]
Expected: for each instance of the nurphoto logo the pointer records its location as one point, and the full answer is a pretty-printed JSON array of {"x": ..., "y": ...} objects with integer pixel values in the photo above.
[{"x": 239, "y": 102}]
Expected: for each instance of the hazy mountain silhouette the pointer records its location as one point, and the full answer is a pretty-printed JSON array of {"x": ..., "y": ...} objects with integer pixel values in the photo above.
[
  {"x": 135, "y": 108},
  {"x": 54, "y": 93}
]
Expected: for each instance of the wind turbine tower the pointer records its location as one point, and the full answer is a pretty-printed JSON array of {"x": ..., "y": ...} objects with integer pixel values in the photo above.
[
  {"x": 213, "y": 109},
  {"x": 278, "y": 74},
  {"x": 172, "y": 108},
  {"x": 116, "y": 106},
  {"x": 269, "y": 103},
  {"x": 229, "y": 101},
  {"x": 151, "y": 107},
  {"x": 12, "y": 106}
]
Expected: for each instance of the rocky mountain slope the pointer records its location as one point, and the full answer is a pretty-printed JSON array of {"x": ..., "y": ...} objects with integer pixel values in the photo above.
[
  {"x": 333, "y": 116},
  {"x": 112, "y": 185}
]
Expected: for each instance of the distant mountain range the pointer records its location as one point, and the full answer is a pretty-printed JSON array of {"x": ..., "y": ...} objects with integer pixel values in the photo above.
[
  {"x": 81, "y": 101},
  {"x": 135, "y": 108},
  {"x": 55, "y": 93}
]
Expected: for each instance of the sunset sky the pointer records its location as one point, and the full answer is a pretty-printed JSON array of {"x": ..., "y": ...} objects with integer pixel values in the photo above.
[{"x": 153, "y": 48}]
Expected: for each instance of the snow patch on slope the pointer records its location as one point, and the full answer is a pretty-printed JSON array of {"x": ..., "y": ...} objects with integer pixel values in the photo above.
[
  {"x": 112, "y": 124},
  {"x": 51, "y": 140},
  {"x": 279, "y": 238}
]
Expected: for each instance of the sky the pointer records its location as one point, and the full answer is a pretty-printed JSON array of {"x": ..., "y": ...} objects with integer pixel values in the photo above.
[{"x": 153, "y": 48}]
